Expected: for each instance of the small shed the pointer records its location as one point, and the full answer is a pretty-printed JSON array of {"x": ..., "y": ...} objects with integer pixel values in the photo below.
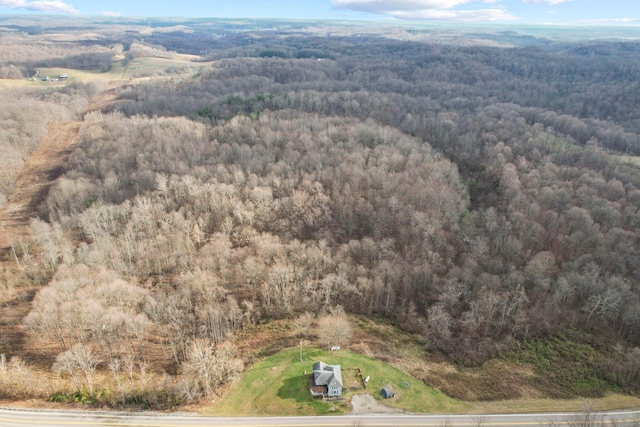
[{"x": 388, "y": 392}]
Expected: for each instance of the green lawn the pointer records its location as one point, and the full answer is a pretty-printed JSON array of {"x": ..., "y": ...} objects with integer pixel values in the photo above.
[{"x": 279, "y": 385}]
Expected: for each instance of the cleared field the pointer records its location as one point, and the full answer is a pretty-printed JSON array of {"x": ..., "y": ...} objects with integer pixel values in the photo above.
[
  {"x": 177, "y": 64},
  {"x": 497, "y": 386},
  {"x": 18, "y": 84},
  {"x": 279, "y": 385},
  {"x": 74, "y": 75},
  {"x": 150, "y": 66}
]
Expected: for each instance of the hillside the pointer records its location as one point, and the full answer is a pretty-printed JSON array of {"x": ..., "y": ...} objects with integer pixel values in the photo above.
[
  {"x": 475, "y": 192},
  {"x": 32, "y": 183}
]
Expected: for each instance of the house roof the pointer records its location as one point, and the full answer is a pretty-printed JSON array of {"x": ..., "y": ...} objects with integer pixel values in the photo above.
[{"x": 329, "y": 375}]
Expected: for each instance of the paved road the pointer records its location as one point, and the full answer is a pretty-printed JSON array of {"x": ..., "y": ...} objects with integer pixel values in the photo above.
[{"x": 15, "y": 418}]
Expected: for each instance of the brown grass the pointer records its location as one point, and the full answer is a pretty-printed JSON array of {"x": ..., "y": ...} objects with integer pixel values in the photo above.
[
  {"x": 106, "y": 97},
  {"x": 610, "y": 402},
  {"x": 496, "y": 379},
  {"x": 15, "y": 305}
]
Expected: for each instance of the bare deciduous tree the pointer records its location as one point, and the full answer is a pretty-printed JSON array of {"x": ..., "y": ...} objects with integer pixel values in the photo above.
[
  {"x": 78, "y": 360},
  {"x": 208, "y": 366},
  {"x": 334, "y": 328},
  {"x": 303, "y": 324}
]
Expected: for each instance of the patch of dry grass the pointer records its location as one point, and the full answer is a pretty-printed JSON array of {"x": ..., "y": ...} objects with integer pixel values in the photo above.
[
  {"x": 18, "y": 84},
  {"x": 610, "y": 402},
  {"x": 634, "y": 160}
]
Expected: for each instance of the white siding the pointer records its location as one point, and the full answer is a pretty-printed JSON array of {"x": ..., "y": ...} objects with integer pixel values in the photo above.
[{"x": 334, "y": 391}]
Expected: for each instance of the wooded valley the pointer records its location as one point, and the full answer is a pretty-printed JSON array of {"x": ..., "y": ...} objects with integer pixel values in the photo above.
[{"x": 480, "y": 190}]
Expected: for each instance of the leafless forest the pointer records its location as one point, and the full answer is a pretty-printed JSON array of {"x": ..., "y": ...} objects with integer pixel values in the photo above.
[{"x": 481, "y": 191}]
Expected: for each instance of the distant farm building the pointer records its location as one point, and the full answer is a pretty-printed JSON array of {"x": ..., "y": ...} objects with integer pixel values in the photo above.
[
  {"x": 327, "y": 380},
  {"x": 388, "y": 392}
]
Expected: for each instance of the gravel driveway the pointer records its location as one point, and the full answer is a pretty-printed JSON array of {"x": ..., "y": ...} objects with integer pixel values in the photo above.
[{"x": 367, "y": 404}]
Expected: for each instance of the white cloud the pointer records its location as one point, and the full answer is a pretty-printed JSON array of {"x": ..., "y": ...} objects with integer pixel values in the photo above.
[
  {"x": 545, "y": 1},
  {"x": 612, "y": 21},
  {"x": 427, "y": 9},
  {"x": 40, "y": 6},
  {"x": 387, "y": 6},
  {"x": 477, "y": 15}
]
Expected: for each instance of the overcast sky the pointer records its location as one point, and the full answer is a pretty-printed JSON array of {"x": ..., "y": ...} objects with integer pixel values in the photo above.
[{"x": 580, "y": 12}]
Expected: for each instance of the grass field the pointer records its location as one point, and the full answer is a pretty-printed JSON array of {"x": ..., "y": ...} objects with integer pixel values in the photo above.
[
  {"x": 279, "y": 385},
  {"x": 137, "y": 68},
  {"x": 610, "y": 402}
]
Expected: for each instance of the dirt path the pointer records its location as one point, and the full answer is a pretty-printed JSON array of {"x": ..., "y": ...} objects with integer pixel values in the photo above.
[
  {"x": 106, "y": 97},
  {"x": 32, "y": 184},
  {"x": 16, "y": 306}
]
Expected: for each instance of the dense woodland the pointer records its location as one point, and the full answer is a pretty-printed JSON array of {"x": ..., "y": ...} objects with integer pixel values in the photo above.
[{"x": 479, "y": 195}]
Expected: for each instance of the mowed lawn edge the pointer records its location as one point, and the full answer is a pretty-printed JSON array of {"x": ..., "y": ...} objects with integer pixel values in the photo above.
[{"x": 279, "y": 385}]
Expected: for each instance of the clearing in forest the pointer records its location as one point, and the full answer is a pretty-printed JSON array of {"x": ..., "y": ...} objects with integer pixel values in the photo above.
[
  {"x": 279, "y": 385},
  {"x": 32, "y": 185},
  {"x": 43, "y": 167}
]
